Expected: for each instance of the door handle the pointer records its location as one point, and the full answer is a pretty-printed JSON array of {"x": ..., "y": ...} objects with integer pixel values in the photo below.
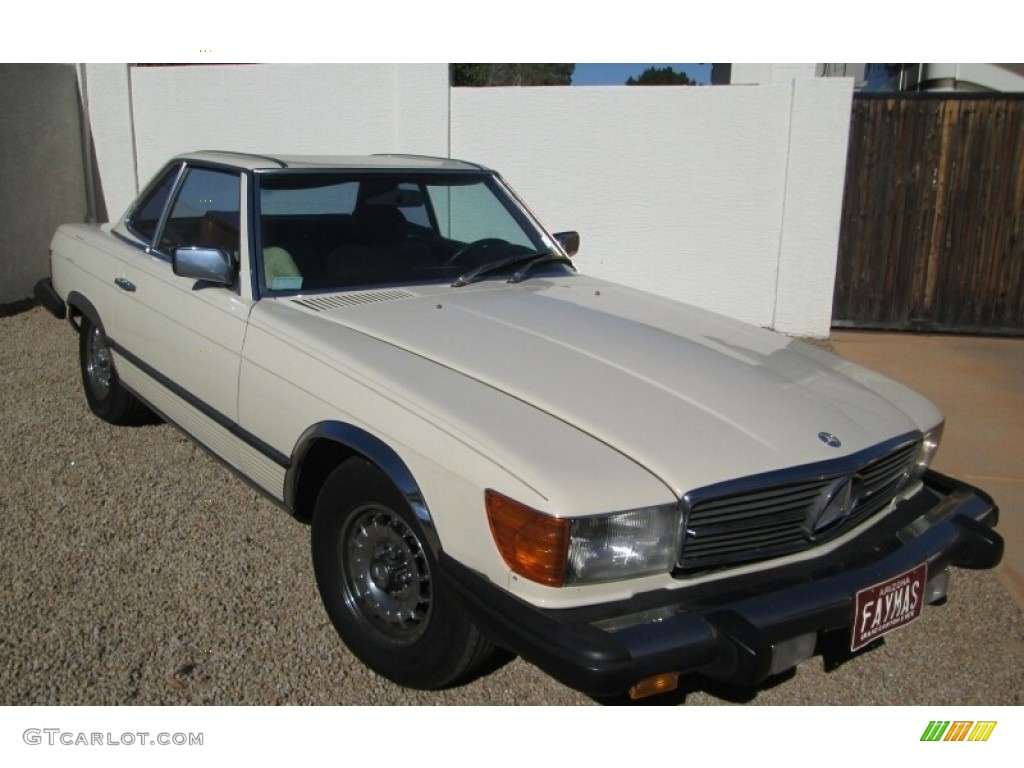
[{"x": 124, "y": 284}]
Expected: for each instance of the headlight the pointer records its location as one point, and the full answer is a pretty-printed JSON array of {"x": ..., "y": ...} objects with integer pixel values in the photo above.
[
  {"x": 929, "y": 447},
  {"x": 623, "y": 545},
  {"x": 557, "y": 551}
]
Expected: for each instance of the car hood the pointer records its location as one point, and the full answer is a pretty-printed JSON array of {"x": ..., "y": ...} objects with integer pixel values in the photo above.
[{"x": 694, "y": 397}]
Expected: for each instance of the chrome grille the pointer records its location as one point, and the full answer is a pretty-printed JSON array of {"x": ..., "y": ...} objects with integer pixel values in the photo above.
[{"x": 762, "y": 517}]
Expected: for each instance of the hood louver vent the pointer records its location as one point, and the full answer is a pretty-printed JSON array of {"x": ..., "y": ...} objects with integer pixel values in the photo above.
[{"x": 339, "y": 300}]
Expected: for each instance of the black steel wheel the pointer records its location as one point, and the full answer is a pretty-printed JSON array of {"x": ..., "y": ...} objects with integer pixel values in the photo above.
[{"x": 378, "y": 579}]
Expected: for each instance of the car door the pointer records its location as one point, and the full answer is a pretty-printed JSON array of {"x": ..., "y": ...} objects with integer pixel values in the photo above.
[{"x": 187, "y": 335}]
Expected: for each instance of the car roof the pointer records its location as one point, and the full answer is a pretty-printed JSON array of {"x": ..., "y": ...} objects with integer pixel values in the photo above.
[{"x": 255, "y": 162}]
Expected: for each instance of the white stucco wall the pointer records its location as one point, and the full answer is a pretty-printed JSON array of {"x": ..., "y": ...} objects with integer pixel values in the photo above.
[
  {"x": 297, "y": 109},
  {"x": 725, "y": 197},
  {"x": 769, "y": 74},
  {"x": 815, "y": 180},
  {"x": 106, "y": 90},
  {"x": 275, "y": 108}
]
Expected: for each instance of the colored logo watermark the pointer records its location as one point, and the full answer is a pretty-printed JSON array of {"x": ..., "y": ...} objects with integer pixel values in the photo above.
[{"x": 958, "y": 730}]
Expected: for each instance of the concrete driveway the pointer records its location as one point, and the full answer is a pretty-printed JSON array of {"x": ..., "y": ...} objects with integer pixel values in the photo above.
[{"x": 979, "y": 384}]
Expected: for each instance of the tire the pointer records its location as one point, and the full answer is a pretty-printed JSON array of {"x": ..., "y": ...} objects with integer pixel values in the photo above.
[
  {"x": 104, "y": 392},
  {"x": 379, "y": 582}
]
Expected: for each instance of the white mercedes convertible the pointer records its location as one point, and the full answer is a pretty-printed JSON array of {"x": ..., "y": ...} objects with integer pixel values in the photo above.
[{"x": 495, "y": 450}]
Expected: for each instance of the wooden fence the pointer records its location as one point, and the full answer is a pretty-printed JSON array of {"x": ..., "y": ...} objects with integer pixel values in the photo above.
[{"x": 931, "y": 235}]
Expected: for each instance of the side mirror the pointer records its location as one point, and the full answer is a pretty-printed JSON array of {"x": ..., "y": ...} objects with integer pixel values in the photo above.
[
  {"x": 210, "y": 264},
  {"x": 570, "y": 241}
]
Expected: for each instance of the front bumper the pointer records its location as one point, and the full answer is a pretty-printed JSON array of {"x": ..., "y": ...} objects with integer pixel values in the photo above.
[{"x": 730, "y": 629}]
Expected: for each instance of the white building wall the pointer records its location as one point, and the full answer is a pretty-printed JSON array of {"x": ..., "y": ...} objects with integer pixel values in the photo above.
[
  {"x": 692, "y": 193},
  {"x": 769, "y": 74},
  {"x": 275, "y": 108},
  {"x": 106, "y": 93},
  {"x": 815, "y": 180},
  {"x": 724, "y": 197},
  {"x": 298, "y": 109},
  {"x": 1008, "y": 78}
]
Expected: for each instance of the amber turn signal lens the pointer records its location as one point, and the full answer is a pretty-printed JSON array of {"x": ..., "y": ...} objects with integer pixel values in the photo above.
[
  {"x": 533, "y": 544},
  {"x": 663, "y": 683}
]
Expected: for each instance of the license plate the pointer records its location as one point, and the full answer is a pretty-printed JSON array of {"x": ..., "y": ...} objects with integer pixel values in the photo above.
[{"x": 889, "y": 605}]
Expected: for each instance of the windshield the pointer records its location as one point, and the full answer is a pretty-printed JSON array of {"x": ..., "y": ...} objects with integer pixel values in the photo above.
[{"x": 322, "y": 231}]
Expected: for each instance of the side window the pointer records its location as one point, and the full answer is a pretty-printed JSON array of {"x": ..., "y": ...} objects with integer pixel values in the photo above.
[
  {"x": 205, "y": 212},
  {"x": 146, "y": 218}
]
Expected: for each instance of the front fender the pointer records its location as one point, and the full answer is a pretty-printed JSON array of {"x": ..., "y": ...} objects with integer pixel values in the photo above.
[{"x": 360, "y": 442}]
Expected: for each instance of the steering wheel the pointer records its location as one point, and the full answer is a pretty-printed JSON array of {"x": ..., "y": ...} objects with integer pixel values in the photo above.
[{"x": 482, "y": 243}]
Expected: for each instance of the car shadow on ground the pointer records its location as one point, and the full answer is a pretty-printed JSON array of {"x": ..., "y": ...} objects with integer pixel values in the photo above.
[
  {"x": 499, "y": 658},
  {"x": 147, "y": 418}
]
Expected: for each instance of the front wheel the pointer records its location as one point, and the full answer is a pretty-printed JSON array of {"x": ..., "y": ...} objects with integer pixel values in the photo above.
[{"x": 379, "y": 582}]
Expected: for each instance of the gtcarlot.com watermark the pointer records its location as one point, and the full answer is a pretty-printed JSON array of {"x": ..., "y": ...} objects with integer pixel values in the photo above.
[{"x": 55, "y": 736}]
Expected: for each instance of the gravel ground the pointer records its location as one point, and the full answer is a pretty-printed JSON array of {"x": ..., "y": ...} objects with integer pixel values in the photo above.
[{"x": 138, "y": 570}]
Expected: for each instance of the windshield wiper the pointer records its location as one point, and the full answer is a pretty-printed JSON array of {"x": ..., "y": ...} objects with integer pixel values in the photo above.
[
  {"x": 494, "y": 266},
  {"x": 543, "y": 258}
]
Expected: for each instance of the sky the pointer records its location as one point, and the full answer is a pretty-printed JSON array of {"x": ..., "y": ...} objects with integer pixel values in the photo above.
[{"x": 617, "y": 74}]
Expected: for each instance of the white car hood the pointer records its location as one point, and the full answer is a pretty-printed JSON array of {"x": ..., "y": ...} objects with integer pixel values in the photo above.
[{"x": 694, "y": 397}]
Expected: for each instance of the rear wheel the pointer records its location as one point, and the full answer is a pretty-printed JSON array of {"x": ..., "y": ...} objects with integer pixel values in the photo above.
[
  {"x": 107, "y": 398},
  {"x": 379, "y": 582}
]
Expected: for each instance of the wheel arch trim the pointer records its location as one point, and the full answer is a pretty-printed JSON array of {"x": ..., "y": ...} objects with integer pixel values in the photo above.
[
  {"x": 79, "y": 303},
  {"x": 373, "y": 449}
]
